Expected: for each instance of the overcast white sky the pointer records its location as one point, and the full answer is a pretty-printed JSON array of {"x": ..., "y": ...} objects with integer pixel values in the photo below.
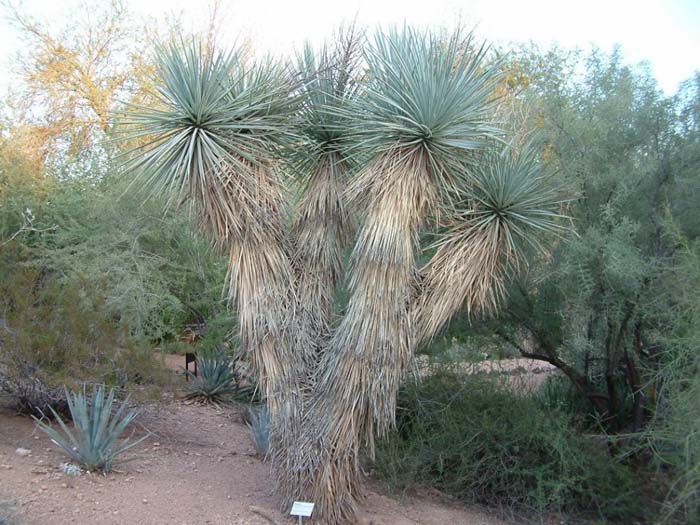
[{"x": 665, "y": 33}]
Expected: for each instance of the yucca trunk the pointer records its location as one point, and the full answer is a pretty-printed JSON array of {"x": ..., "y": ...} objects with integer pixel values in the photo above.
[
  {"x": 246, "y": 218},
  {"x": 320, "y": 232},
  {"x": 358, "y": 379}
]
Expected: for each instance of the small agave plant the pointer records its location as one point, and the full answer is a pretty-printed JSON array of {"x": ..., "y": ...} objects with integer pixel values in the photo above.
[
  {"x": 259, "y": 429},
  {"x": 94, "y": 441},
  {"x": 7, "y": 512},
  {"x": 216, "y": 381}
]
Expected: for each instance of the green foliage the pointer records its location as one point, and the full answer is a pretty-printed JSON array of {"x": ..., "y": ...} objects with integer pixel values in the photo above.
[
  {"x": 597, "y": 306},
  {"x": 216, "y": 333},
  {"x": 674, "y": 436},
  {"x": 156, "y": 275},
  {"x": 329, "y": 85},
  {"x": 212, "y": 109},
  {"x": 471, "y": 437},
  {"x": 94, "y": 441},
  {"x": 512, "y": 190}
]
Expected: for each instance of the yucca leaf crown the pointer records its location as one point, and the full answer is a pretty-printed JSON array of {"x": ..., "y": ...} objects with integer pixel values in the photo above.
[
  {"x": 210, "y": 109},
  {"x": 428, "y": 92},
  {"x": 512, "y": 194},
  {"x": 325, "y": 93}
]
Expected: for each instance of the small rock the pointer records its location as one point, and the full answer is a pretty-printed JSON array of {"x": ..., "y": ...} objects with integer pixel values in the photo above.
[
  {"x": 156, "y": 444},
  {"x": 23, "y": 451},
  {"x": 144, "y": 500}
]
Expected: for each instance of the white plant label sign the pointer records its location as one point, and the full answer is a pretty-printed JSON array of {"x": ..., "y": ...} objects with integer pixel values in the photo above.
[{"x": 302, "y": 508}]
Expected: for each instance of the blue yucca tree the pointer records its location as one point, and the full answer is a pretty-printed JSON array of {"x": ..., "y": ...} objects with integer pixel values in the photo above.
[{"x": 396, "y": 136}]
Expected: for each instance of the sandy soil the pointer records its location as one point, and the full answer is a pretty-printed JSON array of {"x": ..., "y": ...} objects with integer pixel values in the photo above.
[
  {"x": 198, "y": 467},
  {"x": 522, "y": 375}
]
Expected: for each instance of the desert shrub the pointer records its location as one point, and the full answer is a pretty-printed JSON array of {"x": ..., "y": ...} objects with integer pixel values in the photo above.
[
  {"x": 217, "y": 332},
  {"x": 94, "y": 441},
  {"x": 676, "y": 444},
  {"x": 471, "y": 437},
  {"x": 59, "y": 333},
  {"x": 556, "y": 393},
  {"x": 674, "y": 434},
  {"x": 156, "y": 274}
]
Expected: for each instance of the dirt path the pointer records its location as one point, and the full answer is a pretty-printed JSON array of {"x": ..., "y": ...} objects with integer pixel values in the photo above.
[{"x": 198, "y": 467}]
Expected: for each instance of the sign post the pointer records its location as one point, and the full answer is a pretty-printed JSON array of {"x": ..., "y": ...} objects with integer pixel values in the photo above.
[{"x": 302, "y": 509}]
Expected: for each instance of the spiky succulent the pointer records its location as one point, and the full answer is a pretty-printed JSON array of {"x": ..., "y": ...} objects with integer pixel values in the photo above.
[
  {"x": 321, "y": 227},
  {"x": 215, "y": 381},
  {"x": 259, "y": 429},
  {"x": 94, "y": 441},
  {"x": 428, "y": 93},
  {"x": 214, "y": 123},
  {"x": 214, "y": 140},
  {"x": 423, "y": 112}
]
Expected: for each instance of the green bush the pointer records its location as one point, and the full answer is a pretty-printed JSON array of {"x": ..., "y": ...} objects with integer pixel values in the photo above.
[
  {"x": 94, "y": 441},
  {"x": 156, "y": 274},
  {"x": 674, "y": 435},
  {"x": 471, "y": 437}
]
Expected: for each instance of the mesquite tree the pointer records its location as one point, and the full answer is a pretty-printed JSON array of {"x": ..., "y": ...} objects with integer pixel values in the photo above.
[{"x": 398, "y": 167}]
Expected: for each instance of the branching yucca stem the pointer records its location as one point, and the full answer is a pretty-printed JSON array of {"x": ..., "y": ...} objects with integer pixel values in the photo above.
[
  {"x": 261, "y": 287},
  {"x": 320, "y": 232},
  {"x": 421, "y": 114},
  {"x": 355, "y": 394},
  {"x": 469, "y": 265}
]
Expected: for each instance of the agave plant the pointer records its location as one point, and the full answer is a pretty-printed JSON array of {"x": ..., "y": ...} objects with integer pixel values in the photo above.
[
  {"x": 259, "y": 429},
  {"x": 94, "y": 441},
  {"x": 216, "y": 381},
  {"x": 7, "y": 512},
  {"x": 402, "y": 139}
]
